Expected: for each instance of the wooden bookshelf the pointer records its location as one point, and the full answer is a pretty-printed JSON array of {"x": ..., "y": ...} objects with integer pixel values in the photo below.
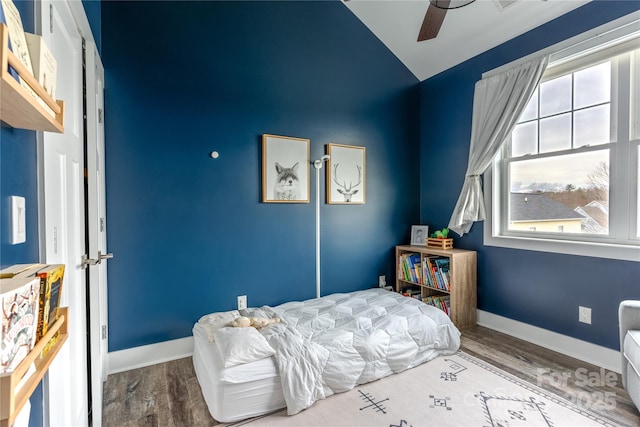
[
  {"x": 18, "y": 108},
  {"x": 462, "y": 290},
  {"x": 12, "y": 400}
]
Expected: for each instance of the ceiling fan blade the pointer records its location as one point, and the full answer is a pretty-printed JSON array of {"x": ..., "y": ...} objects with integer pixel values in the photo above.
[{"x": 432, "y": 22}]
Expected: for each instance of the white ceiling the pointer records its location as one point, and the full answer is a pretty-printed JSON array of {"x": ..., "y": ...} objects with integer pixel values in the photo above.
[{"x": 465, "y": 33}]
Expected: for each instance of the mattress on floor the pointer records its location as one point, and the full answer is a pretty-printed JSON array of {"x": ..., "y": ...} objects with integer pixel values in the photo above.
[
  {"x": 239, "y": 392},
  {"x": 322, "y": 346}
]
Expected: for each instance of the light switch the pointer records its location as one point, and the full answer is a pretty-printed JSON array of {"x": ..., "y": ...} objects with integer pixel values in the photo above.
[{"x": 18, "y": 220}]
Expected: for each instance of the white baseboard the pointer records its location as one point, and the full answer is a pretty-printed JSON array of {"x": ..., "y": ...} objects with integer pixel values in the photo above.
[
  {"x": 582, "y": 350},
  {"x": 146, "y": 355}
]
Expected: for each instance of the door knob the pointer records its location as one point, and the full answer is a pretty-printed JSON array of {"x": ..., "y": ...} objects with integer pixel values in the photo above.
[{"x": 86, "y": 261}]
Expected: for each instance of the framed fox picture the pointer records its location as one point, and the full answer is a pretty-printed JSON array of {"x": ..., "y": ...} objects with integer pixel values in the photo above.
[{"x": 285, "y": 169}]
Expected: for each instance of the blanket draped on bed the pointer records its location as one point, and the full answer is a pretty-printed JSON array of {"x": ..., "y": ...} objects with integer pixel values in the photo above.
[{"x": 331, "y": 344}]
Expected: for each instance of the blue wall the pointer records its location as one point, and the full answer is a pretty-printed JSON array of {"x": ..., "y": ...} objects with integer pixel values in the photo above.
[
  {"x": 537, "y": 288},
  {"x": 18, "y": 167},
  {"x": 93, "y": 10},
  {"x": 189, "y": 233}
]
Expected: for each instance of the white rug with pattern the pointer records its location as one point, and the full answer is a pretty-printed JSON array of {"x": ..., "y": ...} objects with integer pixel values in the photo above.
[{"x": 457, "y": 390}]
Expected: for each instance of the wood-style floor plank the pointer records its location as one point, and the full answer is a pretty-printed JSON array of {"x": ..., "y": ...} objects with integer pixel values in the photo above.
[
  {"x": 584, "y": 384},
  {"x": 169, "y": 394}
]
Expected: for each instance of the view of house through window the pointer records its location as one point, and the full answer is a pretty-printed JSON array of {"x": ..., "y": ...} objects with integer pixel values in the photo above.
[{"x": 575, "y": 130}]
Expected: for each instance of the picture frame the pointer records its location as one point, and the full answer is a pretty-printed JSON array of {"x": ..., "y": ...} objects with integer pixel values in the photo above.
[
  {"x": 347, "y": 164},
  {"x": 285, "y": 169},
  {"x": 419, "y": 234}
]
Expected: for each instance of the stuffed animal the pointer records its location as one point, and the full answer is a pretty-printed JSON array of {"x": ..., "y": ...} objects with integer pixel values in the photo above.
[
  {"x": 256, "y": 322},
  {"x": 440, "y": 234},
  {"x": 241, "y": 322},
  {"x": 261, "y": 322}
]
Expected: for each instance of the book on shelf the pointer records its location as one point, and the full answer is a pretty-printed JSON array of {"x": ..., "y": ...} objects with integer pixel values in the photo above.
[
  {"x": 411, "y": 292},
  {"x": 50, "y": 276},
  {"x": 410, "y": 268},
  {"x": 50, "y": 291},
  {"x": 18, "y": 40},
  {"x": 51, "y": 343},
  {"x": 436, "y": 269},
  {"x": 44, "y": 67},
  {"x": 19, "y": 269},
  {"x": 19, "y": 313},
  {"x": 442, "y": 265},
  {"x": 430, "y": 268},
  {"x": 408, "y": 275},
  {"x": 439, "y": 301},
  {"x": 426, "y": 272},
  {"x": 414, "y": 264}
]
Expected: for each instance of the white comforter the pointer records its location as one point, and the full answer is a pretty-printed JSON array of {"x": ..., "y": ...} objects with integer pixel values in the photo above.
[{"x": 331, "y": 344}]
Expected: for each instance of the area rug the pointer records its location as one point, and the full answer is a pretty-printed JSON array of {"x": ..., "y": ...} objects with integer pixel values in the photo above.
[{"x": 457, "y": 390}]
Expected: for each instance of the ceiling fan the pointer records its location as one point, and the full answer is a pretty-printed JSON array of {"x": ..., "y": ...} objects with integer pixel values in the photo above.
[{"x": 435, "y": 16}]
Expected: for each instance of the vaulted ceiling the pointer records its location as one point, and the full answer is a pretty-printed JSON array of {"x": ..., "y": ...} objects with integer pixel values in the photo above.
[{"x": 466, "y": 31}]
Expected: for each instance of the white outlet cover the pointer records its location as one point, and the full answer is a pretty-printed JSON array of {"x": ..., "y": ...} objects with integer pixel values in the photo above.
[
  {"x": 18, "y": 220},
  {"x": 242, "y": 302},
  {"x": 584, "y": 314},
  {"x": 382, "y": 281}
]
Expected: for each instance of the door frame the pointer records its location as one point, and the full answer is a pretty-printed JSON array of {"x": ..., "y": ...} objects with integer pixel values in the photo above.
[
  {"x": 97, "y": 242},
  {"x": 99, "y": 358}
]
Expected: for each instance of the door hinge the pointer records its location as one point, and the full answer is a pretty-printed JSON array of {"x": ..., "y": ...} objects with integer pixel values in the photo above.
[
  {"x": 104, "y": 332},
  {"x": 51, "y": 18},
  {"x": 100, "y": 115},
  {"x": 101, "y": 224}
]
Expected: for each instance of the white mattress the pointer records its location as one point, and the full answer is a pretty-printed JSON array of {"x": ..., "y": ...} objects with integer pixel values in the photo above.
[{"x": 236, "y": 393}]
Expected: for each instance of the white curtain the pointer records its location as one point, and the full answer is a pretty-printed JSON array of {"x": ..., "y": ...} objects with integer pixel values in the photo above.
[{"x": 498, "y": 102}]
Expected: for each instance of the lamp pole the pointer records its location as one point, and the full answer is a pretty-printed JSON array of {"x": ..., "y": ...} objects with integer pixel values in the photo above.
[{"x": 317, "y": 164}]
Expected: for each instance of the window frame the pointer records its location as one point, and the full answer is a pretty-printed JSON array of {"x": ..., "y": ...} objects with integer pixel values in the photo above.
[{"x": 622, "y": 242}]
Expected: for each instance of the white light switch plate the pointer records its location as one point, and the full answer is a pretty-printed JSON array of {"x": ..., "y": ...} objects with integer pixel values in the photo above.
[
  {"x": 18, "y": 220},
  {"x": 242, "y": 302}
]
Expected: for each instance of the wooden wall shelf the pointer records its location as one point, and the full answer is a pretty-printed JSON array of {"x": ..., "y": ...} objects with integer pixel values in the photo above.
[
  {"x": 12, "y": 400},
  {"x": 18, "y": 108}
]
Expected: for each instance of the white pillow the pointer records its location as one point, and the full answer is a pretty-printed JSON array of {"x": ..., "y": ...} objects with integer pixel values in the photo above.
[
  {"x": 241, "y": 345},
  {"x": 214, "y": 321}
]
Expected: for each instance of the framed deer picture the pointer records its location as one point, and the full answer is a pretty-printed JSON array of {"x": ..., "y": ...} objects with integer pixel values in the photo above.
[{"x": 346, "y": 174}]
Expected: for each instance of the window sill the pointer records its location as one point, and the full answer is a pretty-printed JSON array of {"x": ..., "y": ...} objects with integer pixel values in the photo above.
[{"x": 599, "y": 250}]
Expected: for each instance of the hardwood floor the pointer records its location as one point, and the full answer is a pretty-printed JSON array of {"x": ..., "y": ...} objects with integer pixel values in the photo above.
[
  {"x": 168, "y": 394},
  {"x": 584, "y": 384}
]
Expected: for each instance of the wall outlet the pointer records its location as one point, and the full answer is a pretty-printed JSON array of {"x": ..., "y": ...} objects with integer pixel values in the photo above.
[
  {"x": 584, "y": 314},
  {"x": 242, "y": 302},
  {"x": 382, "y": 281}
]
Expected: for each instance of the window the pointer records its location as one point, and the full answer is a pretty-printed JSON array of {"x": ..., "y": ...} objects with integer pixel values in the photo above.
[{"x": 567, "y": 180}]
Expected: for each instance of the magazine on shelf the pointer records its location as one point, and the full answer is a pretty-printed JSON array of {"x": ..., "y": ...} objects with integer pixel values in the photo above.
[
  {"x": 19, "y": 304},
  {"x": 17, "y": 39},
  {"x": 50, "y": 290},
  {"x": 44, "y": 67}
]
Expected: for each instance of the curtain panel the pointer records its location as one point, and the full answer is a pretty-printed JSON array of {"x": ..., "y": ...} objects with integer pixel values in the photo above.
[{"x": 498, "y": 102}]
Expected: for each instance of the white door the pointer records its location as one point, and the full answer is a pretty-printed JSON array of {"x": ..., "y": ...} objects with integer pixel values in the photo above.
[
  {"x": 62, "y": 207},
  {"x": 96, "y": 228}
]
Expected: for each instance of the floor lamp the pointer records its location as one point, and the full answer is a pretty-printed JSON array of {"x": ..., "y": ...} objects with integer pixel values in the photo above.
[{"x": 318, "y": 165}]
